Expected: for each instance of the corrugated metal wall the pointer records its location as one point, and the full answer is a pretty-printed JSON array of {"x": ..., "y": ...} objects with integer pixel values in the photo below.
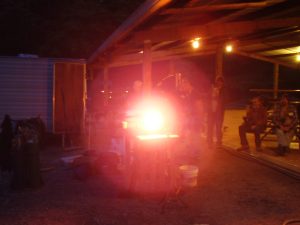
[{"x": 26, "y": 88}]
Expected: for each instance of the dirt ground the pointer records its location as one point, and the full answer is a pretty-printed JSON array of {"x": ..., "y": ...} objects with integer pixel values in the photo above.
[{"x": 230, "y": 191}]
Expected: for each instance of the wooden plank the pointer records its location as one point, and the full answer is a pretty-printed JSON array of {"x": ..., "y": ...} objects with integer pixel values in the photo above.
[
  {"x": 126, "y": 62},
  {"x": 276, "y": 81},
  {"x": 230, "y": 6},
  {"x": 284, "y": 55},
  {"x": 186, "y": 50},
  {"x": 225, "y": 29},
  {"x": 219, "y": 62},
  {"x": 244, "y": 12},
  {"x": 191, "y": 17},
  {"x": 146, "y": 10},
  {"x": 272, "y": 48},
  {"x": 147, "y": 67},
  {"x": 266, "y": 59}
]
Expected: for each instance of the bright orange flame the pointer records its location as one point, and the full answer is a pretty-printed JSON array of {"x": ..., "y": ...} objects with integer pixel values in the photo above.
[
  {"x": 152, "y": 120},
  {"x": 298, "y": 57}
]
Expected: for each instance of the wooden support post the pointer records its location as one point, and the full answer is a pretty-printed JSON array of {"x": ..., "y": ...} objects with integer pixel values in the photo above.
[
  {"x": 147, "y": 67},
  {"x": 105, "y": 81},
  {"x": 276, "y": 80},
  {"x": 172, "y": 71},
  {"x": 219, "y": 62},
  {"x": 171, "y": 67}
]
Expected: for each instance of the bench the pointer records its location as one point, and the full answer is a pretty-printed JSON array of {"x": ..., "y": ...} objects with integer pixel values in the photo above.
[{"x": 270, "y": 129}]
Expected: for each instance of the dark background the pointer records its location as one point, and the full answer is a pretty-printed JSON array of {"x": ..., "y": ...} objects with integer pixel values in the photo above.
[
  {"x": 59, "y": 28},
  {"x": 76, "y": 28}
]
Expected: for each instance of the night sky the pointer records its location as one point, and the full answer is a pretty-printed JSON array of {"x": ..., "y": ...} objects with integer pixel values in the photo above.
[
  {"x": 75, "y": 28},
  {"x": 59, "y": 28}
]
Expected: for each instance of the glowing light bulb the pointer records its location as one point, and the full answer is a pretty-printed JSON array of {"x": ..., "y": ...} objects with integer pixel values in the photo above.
[
  {"x": 298, "y": 57},
  {"x": 228, "y": 48},
  {"x": 196, "y": 43},
  {"x": 153, "y": 120}
]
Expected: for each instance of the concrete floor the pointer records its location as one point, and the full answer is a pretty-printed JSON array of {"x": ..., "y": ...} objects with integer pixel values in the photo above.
[{"x": 233, "y": 118}]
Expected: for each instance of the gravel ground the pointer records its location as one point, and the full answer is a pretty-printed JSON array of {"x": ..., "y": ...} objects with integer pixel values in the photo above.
[{"x": 230, "y": 191}]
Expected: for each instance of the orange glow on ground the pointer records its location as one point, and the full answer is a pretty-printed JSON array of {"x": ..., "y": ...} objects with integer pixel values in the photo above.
[{"x": 157, "y": 136}]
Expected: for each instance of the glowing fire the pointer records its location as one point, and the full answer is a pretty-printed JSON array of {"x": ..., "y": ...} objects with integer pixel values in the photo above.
[{"x": 151, "y": 119}]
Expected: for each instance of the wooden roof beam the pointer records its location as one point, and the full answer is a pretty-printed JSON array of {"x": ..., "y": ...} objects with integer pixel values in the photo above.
[
  {"x": 266, "y": 59},
  {"x": 163, "y": 54},
  {"x": 231, "y": 6},
  {"x": 284, "y": 55},
  {"x": 281, "y": 13},
  {"x": 243, "y": 12},
  {"x": 131, "y": 60},
  {"x": 161, "y": 44},
  {"x": 226, "y": 29},
  {"x": 145, "y": 11},
  {"x": 272, "y": 48}
]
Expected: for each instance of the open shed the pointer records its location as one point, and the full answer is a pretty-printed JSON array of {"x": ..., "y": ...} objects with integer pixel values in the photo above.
[{"x": 267, "y": 30}]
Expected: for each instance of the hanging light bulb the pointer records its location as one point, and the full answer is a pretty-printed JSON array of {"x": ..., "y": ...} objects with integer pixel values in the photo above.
[
  {"x": 196, "y": 43},
  {"x": 229, "y": 48},
  {"x": 298, "y": 57}
]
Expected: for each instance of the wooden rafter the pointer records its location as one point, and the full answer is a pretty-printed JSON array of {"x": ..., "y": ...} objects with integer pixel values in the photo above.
[
  {"x": 226, "y": 29},
  {"x": 187, "y": 19},
  {"x": 143, "y": 12},
  {"x": 243, "y": 12},
  {"x": 281, "y": 13},
  {"x": 221, "y": 7},
  {"x": 166, "y": 55},
  {"x": 291, "y": 35},
  {"x": 161, "y": 44},
  {"x": 272, "y": 47},
  {"x": 162, "y": 54},
  {"x": 266, "y": 59},
  {"x": 284, "y": 55}
]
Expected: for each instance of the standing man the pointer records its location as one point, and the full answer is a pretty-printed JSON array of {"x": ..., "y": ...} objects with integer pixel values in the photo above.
[
  {"x": 216, "y": 108},
  {"x": 192, "y": 113},
  {"x": 136, "y": 94}
]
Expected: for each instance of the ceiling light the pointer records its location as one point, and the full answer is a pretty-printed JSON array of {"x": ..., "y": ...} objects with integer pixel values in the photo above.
[
  {"x": 196, "y": 43},
  {"x": 298, "y": 57},
  {"x": 229, "y": 48}
]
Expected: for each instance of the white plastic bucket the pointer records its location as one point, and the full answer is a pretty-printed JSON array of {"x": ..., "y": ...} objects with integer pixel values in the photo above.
[{"x": 189, "y": 175}]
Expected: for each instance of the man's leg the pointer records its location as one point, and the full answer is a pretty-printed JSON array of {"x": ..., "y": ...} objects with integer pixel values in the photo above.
[
  {"x": 257, "y": 131},
  {"x": 281, "y": 139},
  {"x": 242, "y": 132},
  {"x": 289, "y": 137}
]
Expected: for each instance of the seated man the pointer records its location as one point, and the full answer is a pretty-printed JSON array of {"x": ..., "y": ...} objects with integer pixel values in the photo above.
[
  {"x": 285, "y": 120},
  {"x": 254, "y": 122}
]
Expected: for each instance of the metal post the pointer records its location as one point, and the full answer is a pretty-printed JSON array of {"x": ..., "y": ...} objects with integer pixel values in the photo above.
[
  {"x": 147, "y": 67},
  {"x": 276, "y": 80}
]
